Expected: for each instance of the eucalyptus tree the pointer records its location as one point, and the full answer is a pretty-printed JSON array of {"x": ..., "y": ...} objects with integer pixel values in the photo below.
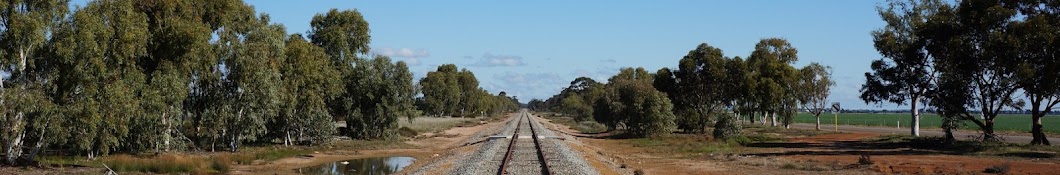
[
  {"x": 24, "y": 29},
  {"x": 644, "y": 111},
  {"x": 771, "y": 62},
  {"x": 178, "y": 52},
  {"x": 814, "y": 86},
  {"x": 906, "y": 73},
  {"x": 310, "y": 81},
  {"x": 698, "y": 84},
  {"x": 100, "y": 44},
  {"x": 976, "y": 46},
  {"x": 440, "y": 90},
  {"x": 469, "y": 91},
  {"x": 740, "y": 85},
  {"x": 252, "y": 51},
  {"x": 383, "y": 92},
  {"x": 344, "y": 36},
  {"x": 1038, "y": 69}
]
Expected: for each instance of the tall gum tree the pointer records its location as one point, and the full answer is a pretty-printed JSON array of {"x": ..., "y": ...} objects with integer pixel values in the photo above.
[
  {"x": 24, "y": 28},
  {"x": 771, "y": 62},
  {"x": 906, "y": 73},
  {"x": 1039, "y": 67},
  {"x": 978, "y": 47},
  {"x": 814, "y": 86}
]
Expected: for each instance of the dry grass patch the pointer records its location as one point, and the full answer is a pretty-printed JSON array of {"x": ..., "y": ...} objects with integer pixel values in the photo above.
[{"x": 168, "y": 164}]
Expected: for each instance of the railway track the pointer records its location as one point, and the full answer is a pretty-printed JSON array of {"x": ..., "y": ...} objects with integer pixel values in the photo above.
[
  {"x": 523, "y": 157},
  {"x": 521, "y": 146}
]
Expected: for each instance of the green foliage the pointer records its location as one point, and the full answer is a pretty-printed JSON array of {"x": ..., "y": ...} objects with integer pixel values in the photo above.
[
  {"x": 447, "y": 91},
  {"x": 815, "y": 82},
  {"x": 381, "y": 93},
  {"x": 727, "y": 127},
  {"x": 644, "y": 111},
  {"x": 310, "y": 81},
  {"x": 777, "y": 79}
]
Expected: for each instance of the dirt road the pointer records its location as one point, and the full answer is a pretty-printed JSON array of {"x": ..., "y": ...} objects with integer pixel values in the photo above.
[{"x": 962, "y": 135}]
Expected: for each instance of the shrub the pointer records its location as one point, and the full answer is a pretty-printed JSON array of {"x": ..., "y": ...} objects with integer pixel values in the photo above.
[
  {"x": 638, "y": 172},
  {"x": 865, "y": 159},
  {"x": 726, "y": 127},
  {"x": 998, "y": 169},
  {"x": 407, "y": 132},
  {"x": 159, "y": 164},
  {"x": 741, "y": 140}
]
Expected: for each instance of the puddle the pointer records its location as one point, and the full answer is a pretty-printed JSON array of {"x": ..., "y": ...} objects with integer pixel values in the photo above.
[{"x": 365, "y": 166}]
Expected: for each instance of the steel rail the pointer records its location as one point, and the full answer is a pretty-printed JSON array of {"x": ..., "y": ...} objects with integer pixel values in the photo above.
[
  {"x": 540, "y": 150},
  {"x": 511, "y": 148}
]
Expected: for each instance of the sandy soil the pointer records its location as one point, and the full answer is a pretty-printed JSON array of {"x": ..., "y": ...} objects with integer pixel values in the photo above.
[
  {"x": 824, "y": 153},
  {"x": 905, "y": 161},
  {"x": 427, "y": 147}
]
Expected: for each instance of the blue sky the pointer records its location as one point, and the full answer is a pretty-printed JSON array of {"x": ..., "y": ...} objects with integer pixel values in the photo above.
[{"x": 532, "y": 49}]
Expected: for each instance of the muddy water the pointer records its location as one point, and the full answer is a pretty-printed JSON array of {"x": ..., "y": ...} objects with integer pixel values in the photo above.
[{"x": 365, "y": 166}]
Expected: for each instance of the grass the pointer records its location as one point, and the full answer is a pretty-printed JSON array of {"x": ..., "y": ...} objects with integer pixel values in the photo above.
[
  {"x": 265, "y": 154},
  {"x": 168, "y": 164},
  {"x": 434, "y": 124},
  {"x": 1003, "y": 122},
  {"x": 965, "y": 147},
  {"x": 583, "y": 126}
]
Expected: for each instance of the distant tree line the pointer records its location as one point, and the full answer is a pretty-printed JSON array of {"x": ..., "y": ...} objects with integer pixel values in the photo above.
[
  {"x": 448, "y": 92},
  {"x": 159, "y": 75},
  {"x": 707, "y": 89},
  {"x": 969, "y": 61}
]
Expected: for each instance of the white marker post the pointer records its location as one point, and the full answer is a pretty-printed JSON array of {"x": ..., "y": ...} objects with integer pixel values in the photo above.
[{"x": 835, "y": 110}]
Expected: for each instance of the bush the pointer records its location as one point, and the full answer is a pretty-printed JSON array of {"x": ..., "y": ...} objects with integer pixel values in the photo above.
[
  {"x": 998, "y": 169},
  {"x": 638, "y": 172},
  {"x": 726, "y": 127},
  {"x": 865, "y": 159},
  {"x": 741, "y": 140},
  {"x": 167, "y": 164},
  {"x": 407, "y": 132}
]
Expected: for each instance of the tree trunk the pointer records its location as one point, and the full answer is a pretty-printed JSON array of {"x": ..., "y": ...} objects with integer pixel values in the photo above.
[
  {"x": 1036, "y": 130},
  {"x": 22, "y": 60},
  {"x": 765, "y": 116},
  {"x": 751, "y": 117},
  {"x": 773, "y": 119},
  {"x": 914, "y": 125},
  {"x": 988, "y": 131},
  {"x": 13, "y": 148},
  {"x": 1039, "y": 137},
  {"x": 37, "y": 147},
  {"x": 818, "y": 116},
  {"x": 165, "y": 136}
]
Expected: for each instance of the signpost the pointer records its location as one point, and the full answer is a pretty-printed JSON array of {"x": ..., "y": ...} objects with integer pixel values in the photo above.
[{"x": 835, "y": 110}]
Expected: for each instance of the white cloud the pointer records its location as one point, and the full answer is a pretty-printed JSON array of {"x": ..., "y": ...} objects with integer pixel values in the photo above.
[
  {"x": 490, "y": 60},
  {"x": 402, "y": 52},
  {"x": 410, "y": 56},
  {"x": 527, "y": 85}
]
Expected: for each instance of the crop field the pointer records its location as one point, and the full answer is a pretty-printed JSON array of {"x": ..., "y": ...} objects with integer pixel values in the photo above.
[{"x": 1004, "y": 122}]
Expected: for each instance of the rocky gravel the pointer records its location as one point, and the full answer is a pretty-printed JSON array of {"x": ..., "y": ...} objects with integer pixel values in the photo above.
[{"x": 488, "y": 152}]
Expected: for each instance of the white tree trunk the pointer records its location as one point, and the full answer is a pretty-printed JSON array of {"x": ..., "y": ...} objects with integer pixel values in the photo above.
[
  {"x": 14, "y": 148},
  {"x": 165, "y": 134},
  {"x": 915, "y": 125},
  {"x": 818, "y": 122},
  {"x": 40, "y": 142},
  {"x": 22, "y": 60},
  {"x": 763, "y": 118},
  {"x": 287, "y": 139},
  {"x": 773, "y": 119}
]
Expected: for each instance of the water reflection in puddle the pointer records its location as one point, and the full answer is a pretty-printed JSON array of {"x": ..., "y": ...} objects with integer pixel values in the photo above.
[{"x": 365, "y": 166}]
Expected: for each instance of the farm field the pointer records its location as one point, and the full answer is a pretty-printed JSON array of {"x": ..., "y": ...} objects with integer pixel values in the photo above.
[{"x": 1003, "y": 123}]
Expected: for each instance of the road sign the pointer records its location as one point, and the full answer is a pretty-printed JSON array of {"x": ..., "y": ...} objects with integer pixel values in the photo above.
[{"x": 835, "y": 110}]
